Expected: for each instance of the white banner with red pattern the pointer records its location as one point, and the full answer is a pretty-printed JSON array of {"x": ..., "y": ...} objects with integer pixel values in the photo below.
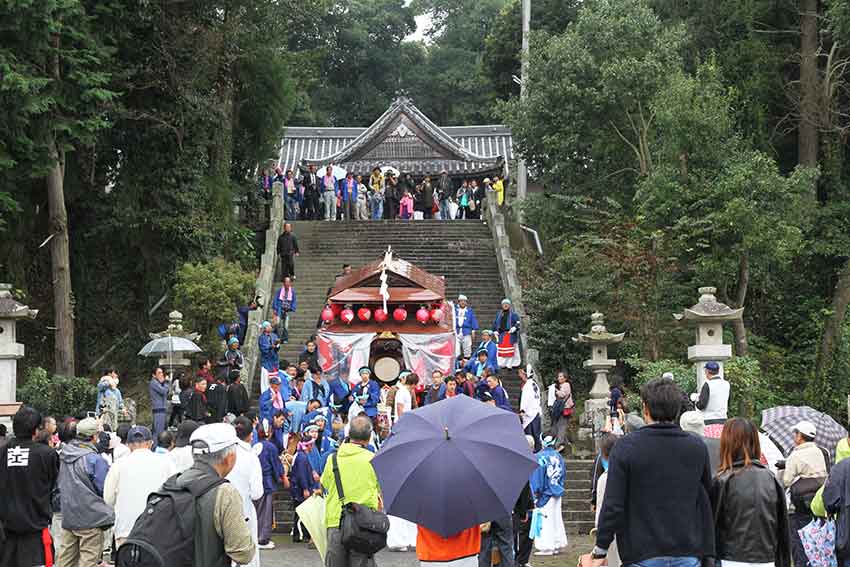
[
  {"x": 425, "y": 353},
  {"x": 343, "y": 354}
]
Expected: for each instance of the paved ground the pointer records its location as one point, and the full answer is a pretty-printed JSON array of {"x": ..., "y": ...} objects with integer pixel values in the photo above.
[{"x": 286, "y": 555}]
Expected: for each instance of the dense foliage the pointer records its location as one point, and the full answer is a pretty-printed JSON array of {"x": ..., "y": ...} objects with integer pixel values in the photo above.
[
  {"x": 665, "y": 137},
  {"x": 58, "y": 396},
  {"x": 679, "y": 145}
]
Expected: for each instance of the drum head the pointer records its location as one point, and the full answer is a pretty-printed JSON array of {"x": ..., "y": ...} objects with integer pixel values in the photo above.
[{"x": 387, "y": 369}]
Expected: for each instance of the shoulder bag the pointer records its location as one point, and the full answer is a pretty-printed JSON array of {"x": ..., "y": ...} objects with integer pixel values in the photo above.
[{"x": 363, "y": 530}]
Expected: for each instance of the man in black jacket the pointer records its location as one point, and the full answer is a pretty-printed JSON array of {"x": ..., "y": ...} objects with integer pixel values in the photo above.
[
  {"x": 310, "y": 181},
  {"x": 657, "y": 496},
  {"x": 28, "y": 473},
  {"x": 287, "y": 249}
]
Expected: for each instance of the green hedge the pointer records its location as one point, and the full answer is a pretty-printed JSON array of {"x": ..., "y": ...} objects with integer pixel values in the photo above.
[{"x": 57, "y": 395}]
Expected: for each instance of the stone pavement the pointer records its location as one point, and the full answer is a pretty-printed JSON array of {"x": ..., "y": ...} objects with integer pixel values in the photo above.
[{"x": 286, "y": 555}]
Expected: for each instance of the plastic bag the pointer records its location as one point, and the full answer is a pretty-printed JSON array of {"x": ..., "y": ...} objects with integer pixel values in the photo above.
[
  {"x": 312, "y": 515},
  {"x": 536, "y": 525},
  {"x": 818, "y": 538}
]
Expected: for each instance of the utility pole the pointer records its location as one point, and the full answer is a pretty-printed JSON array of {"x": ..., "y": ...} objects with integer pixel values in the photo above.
[{"x": 522, "y": 171}]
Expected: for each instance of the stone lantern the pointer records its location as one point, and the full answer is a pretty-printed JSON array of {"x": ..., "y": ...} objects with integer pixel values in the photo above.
[
  {"x": 10, "y": 350},
  {"x": 176, "y": 359},
  {"x": 708, "y": 315},
  {"x": 599, "y": 364}
]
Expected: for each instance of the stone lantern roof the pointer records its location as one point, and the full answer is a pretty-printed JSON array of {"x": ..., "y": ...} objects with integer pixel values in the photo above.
[
  {"x": 598, "y": 332},
  {"x": 175, "y": 329},
  {"x": 10, "y": 308},
  {"x": 708, "y": 309}
]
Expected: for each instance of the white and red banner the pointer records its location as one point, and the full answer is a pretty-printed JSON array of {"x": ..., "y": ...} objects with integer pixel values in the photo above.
[
  {"x": 425, "y": 353},
  {"x": 343, "y": 354}
]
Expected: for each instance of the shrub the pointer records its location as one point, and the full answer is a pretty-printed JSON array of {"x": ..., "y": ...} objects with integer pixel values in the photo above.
[
  {"x": 207, "y": 293},
  {"x": 57, "y": 395},
  {"x": 647, "y": 370}
]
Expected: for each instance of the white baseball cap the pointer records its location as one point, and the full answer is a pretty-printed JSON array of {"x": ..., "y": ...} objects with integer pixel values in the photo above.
[
  {"x": 462, "y": 297},
  {"x": 213, "y": 438},
  {"x": 807, "y": 428}
]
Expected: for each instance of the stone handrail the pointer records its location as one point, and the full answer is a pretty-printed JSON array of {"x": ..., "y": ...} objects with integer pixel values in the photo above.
[
  {"x": 263, "y": 290},
  {"x": 510, "y": 279}
]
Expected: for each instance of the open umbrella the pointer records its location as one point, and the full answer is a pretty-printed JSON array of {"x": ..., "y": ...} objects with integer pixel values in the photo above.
[
  {"x": 455, "y": 440},
  {"x": 338, "y": 172},
  {"x": 389, "y": 168},
  {"x": 779, "y": 423},
  {"x": 168, "y": 345}
]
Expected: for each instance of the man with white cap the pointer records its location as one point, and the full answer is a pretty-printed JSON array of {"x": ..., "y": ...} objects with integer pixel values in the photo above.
[
  {"x": 693, "y": 422},
  {"x": 465, "y": 326},
  {"x": 247, "y": 478},
  {"x": 222, "y": 535},
  {"x": 806, "y": 467}
]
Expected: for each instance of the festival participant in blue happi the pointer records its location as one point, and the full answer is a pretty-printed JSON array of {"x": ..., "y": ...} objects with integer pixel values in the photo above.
[
  {"x": 480, "y": 363},
  {"x": 284, "y": 303},
  {"x": 272, "y": 399},
  {"x": 278, "y": 434},
  {"x": 547, "y": 487},
  {"x": 312, "y": 418},
  {"x": 465, "y": 326},
  {"x": 269, "y": 345},
  {"x": 273, "y": 475},
  {"x": 303, "y": 481},
  {"x": 317, "y": 388},
  {"x": 323, "y": 445},
  {"x": 506, "y": 328},
  {"x": 487, "y": 343},
  {"x": 367, "y": 393},
  {"x": 500, "y": 396},
  {"x": 340, "y": 399}
]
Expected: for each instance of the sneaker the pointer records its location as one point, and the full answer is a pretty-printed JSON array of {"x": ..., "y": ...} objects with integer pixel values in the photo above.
[{"x": 267, "y": 545}]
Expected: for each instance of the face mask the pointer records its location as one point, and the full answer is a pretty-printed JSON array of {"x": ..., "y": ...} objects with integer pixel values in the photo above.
[{"x": 605, "y": 465}]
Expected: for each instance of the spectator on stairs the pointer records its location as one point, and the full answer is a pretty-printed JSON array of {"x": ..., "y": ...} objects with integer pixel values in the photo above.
[
  {"x": 348, "y": 189},
  {"x": 465, "y": 386},
  {"x": 287, "y": 249},
  {"x": 506, "y": 328},
  {"x": 291, "y": 195},
  {"x": 428, "y": 199},
  {"x": 499, "y": 189},
  {"x": 197, "y": 409},
  {"x": 285, "y": 302},
  {"x": 217, "y": 400},
  {"x": 269, "y": 345},
  {"x": 463, "y": 197},
  {"x": 328, "y": 189},
  {"x": 465, "y": 326},
  {"x": 489, "y": 345},
  {"x": 561, "y": 407},
  {"x": 362, "y": 206},
  {"x": 529, "y": 408},
  {"x": 477, "y": 199},
  {"x": 231, "y": 361},
  {"x": 406, "y": 205},
  {"x": 237, "y": 395},
  {"x": 312, "y": 205},
  {"x": 392, "y": 196}
]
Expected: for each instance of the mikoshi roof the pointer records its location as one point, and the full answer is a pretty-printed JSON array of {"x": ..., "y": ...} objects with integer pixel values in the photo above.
[
  {"x": 408, "y": 272},
  {"x": 404, "y": 138}
]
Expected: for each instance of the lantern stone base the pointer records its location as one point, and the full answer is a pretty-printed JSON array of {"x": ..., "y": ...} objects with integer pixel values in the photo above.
[{"x": 592, "y": 421}]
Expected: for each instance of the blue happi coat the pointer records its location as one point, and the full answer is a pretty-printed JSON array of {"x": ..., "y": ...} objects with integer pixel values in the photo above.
[
  {"x": 368, "y": 396},
  {"x": 268, "y": 350},
  {"x": 548, "y": 480}
]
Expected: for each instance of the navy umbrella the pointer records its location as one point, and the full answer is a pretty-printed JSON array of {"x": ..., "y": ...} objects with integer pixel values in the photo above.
[{"x": 454, "y": 464}]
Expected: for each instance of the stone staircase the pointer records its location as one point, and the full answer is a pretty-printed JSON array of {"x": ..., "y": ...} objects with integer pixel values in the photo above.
[{"x": 462, "y": 251}]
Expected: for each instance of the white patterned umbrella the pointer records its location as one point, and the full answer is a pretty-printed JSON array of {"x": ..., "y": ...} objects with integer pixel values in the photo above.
[
  {"x": 779, "y": 424},
  {"x": 168, "y": 345}
]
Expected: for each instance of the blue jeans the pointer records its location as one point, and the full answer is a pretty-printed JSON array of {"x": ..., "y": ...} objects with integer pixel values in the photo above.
[
  {"x": 291, "y": 208},
  {"x": 377, "y": 210},
  {"x": 668, "y": 562},
  {"x": 444, "y": 210}
]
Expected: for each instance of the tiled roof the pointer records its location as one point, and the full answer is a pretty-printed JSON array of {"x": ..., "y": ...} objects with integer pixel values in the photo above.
[{"x": 404, "y": 138}]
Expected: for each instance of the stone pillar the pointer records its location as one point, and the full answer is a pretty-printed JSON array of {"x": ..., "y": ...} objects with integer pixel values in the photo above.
[
  {"x": 10, "y": 350},
  {"x": 595, "y": 409},
  {"x": 178, "y": 359},
  {"x": 708, "y": 315}
]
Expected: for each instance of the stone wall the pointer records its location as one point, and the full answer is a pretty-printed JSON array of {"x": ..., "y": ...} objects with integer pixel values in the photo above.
[
  {"x": 263, "y": 289},
  {"x": 510, "y": 280}
]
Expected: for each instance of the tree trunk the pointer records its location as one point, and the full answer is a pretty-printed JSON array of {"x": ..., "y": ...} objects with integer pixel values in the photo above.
[
  {"x": 832, "y": 328},
  {"x": 807, "y": 131},
  {"x": 60, "y": 259},
  {"x": 741, "y": 343}
]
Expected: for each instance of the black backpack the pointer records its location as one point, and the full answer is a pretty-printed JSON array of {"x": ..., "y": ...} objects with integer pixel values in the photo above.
[{"x": 163, "y": 536}]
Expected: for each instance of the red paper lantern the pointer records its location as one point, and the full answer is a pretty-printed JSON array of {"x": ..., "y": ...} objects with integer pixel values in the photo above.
[
  {"x": 364, "y": 313},
  {"x": 347, "y": 315},
  {"x": 336, "y": 308},
  {"x": 437, "y": 315},
  {"x": 380, "y": 315},
  {"x": 400, "y": 314},
  {"x": 327, "y": 315},
  {"x": 422, "y": 315}
]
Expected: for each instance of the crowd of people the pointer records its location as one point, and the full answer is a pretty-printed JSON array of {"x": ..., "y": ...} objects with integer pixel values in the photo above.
[{"x": 382, "y": 194}]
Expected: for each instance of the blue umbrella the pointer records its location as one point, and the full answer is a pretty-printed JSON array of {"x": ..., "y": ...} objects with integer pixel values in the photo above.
[{"x": 454, "y": 464}]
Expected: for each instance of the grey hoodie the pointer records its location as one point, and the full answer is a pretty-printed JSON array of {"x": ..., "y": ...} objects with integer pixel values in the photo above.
[{"x": 81, "y": 475}]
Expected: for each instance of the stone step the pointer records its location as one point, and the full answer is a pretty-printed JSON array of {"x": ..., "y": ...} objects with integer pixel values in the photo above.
[{"x": 578, "y": 527}]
